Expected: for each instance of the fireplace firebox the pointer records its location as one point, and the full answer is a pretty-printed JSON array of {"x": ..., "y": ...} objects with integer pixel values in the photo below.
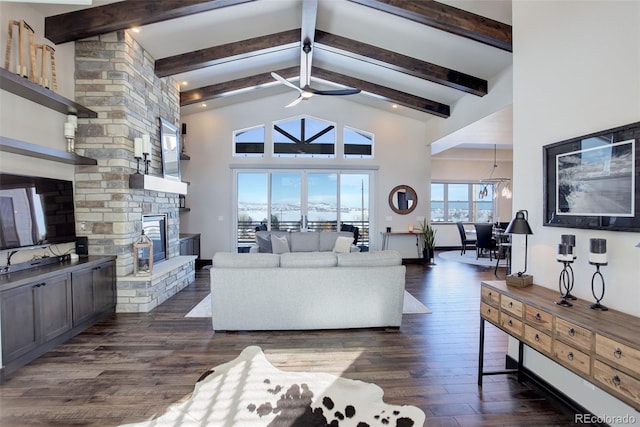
[{"x": 155, "y": 227}]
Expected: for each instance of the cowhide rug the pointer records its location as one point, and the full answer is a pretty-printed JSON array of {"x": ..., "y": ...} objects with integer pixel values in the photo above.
[{"x": 249, "y": 391}]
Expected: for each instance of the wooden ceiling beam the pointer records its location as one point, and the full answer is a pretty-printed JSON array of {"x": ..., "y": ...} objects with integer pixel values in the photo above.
[
  {"x": 122, "y": 15},
  {"x": 393, "y": 96},
  {"x": 401, "y": 63},
  {"x": 448, "y": 18},
  {"x": 229, "y": 88},
  {"x": 227, "y": 52},
  {"x": 226, "y": 89}
]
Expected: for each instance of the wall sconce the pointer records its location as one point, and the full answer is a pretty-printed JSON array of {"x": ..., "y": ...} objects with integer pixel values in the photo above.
[
  {"x": 565, "y": 281},
  {"x": 520, "y": 225},
  {"x": 597, "y": 257},
  {"x": 142, "y": 256}
]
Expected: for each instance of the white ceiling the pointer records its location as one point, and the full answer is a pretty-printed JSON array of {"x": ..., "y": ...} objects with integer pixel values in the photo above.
[{"x": 346, "y": 19}]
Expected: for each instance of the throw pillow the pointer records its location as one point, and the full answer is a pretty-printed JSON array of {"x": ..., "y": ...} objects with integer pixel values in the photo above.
[
  {"x": 343, "y": 245},
  {"x": 264, "y": 243},
  {"x": 279, "y": 245}
]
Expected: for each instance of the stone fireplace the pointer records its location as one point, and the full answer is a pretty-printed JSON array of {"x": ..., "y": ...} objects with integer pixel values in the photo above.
[{"x": 114, "y": 76}]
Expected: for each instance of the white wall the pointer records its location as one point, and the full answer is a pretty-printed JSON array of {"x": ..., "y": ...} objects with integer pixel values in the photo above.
[
  {"x": 576, "y": 71},
  {"x": 401, "y": 157}
]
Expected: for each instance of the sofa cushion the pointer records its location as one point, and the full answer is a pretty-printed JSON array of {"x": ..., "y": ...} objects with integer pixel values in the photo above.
[
  {"x": 279, "y": 244},
  {"x": 328, "y": 239},
  {"x": 369, "y": 259},
  {"x": 343, "y": 244},
  {"x": 305, "y": 241},
  {"x": 308, "y": 259},
  {"x": 235, "y": 260},
  {"x": 264, "y": 243}
]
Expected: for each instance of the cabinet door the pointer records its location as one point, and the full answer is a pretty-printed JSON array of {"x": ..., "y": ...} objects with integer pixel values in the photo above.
[
  {"x": 54, "y": 306},
  {"x": 19, "y": 334},
  {"x": 104, "y": 287},
  {"x": 184, "y": 246},
  {"x": 82, "y": 291}
]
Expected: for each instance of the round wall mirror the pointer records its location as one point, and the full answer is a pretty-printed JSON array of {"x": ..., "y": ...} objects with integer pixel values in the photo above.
[{"x": 403, "y": 199}]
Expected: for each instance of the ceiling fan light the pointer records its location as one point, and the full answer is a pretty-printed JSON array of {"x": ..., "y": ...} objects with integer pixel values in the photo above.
[{"x": 306, "y": 94}]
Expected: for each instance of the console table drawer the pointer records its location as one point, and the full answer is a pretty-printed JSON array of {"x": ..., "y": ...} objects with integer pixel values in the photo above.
[
  {"x": 617, "y": 381},
  {"x": 511, "y": 305},
  {"x": 540, "y": 318},
  {"x": 492, "y": 314},
  {"x": 537, "y": 340},
  {"x": 573, "y": 334},
  {"x": 572, "y": 357},
  {"x": 623, "y": 355},
  {"x": 511, "y": 324},
  {"x": 490, "y": 296}
]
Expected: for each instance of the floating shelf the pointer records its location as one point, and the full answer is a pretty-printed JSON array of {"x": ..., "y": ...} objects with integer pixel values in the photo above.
[
  {"x": 156, "y": 183},
  {"x": 15, "y": 146},
  {"x": 185, "y": 156},
  {"x": 25, "y": 88}
]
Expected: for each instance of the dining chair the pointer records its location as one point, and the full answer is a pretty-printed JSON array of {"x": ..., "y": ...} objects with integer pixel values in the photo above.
[
  {"x": 463, "y": 239},
  {"x": 485, "y": 240}
]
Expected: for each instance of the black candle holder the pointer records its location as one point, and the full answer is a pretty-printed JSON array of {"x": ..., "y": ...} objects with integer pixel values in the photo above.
[
  {"x": 565, "y": 284},
  {"x": 597, "y": 305},
  {"x": 147, "y": 160},
  {"x": 138, "y": 165}
]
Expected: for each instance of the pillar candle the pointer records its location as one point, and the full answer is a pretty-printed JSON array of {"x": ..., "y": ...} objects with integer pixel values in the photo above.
[
  {"x": 69, "y": 130},
  {"x": 72, "y": 118},
  {"x": 565, "y": 252},
  {"x": 598, "y": 251},
  {"x": 137, "y": 147},
  {"x": 146, "y": 144}
]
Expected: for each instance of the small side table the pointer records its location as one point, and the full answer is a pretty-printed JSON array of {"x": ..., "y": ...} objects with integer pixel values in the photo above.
[{"x": 419, "y": 240}]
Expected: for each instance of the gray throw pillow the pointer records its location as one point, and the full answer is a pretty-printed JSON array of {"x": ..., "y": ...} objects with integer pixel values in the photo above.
[
  {"x": 279, "y": 244},
  {"x": 264, "y": 243}
]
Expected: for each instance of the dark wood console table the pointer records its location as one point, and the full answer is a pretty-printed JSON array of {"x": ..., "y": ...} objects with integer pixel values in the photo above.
[{"x": 603, "y": 347}]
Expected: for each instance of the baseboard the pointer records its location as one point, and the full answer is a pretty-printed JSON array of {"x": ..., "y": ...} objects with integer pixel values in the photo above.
[{"x": 567, "y": 403}]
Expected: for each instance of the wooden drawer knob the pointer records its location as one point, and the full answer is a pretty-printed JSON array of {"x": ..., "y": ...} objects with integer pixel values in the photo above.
[
  {"x": 538, "y": 317},
  {"x": 570, "y": 355},
  {"x": 572, "y": 332},
  {"x": 616, "y": 380},
  {"x": 488, "y": 311},
  {"x": 617, "y": 353},
  {"x": 537, "y": 337},
  {"x": 510, "y": 304},
  {"x": 510, "y": 323}
]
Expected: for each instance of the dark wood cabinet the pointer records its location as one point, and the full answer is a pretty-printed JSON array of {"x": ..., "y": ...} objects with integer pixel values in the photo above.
[
  {"x": 93, "y": 292},
  {"x": 34, "y": 314},
  {"x": 42, "y": 308}
]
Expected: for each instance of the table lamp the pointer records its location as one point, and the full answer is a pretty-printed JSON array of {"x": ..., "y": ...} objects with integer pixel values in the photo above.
[{"x": 520, "y": 225}]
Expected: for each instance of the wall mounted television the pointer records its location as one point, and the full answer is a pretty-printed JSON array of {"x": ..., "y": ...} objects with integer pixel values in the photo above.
[{"x": 35, "y": 211}]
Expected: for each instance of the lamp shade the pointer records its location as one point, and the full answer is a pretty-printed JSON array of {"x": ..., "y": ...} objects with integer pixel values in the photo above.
[{"x": 519, "y": 224}]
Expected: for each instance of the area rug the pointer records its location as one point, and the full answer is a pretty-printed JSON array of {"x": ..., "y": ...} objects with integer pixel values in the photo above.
[
  {"x": 250, "y": 392},
  {"x": 470, "y": 258},
  {"x": 410, "y": 306}
]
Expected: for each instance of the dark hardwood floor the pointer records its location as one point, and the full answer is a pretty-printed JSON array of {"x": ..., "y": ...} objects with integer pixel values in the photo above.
[{"x": 131, "y": 367}]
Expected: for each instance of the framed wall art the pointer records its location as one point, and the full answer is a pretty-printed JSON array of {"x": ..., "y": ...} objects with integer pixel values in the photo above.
[
  {"x": 593, "y": 181},
  {"x": 170, "y": 148}
]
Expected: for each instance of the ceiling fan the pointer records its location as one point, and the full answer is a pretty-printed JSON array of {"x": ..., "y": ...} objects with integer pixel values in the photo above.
[{"x": 307, "y": 91}]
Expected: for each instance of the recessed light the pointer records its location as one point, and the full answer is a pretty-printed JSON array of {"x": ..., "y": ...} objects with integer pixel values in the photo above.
[
  {"x": 135, "y": 29},
  {"x": 394, "y": 105},
  {"x": 184, "y": 83},
  {"x": 204, "y": 105}
]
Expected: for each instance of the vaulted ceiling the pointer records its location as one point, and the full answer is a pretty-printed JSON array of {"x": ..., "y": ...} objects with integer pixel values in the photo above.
[{"x": 422, "y": 56}]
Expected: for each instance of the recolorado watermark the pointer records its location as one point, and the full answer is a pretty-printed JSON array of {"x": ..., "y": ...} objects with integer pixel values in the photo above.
[{"x": 604, "y": 419}]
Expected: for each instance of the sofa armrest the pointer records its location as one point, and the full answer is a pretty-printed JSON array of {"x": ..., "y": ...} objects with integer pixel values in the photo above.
[
  {"x": 354, "y": 248},
  {"x": 254, "y": 249}
]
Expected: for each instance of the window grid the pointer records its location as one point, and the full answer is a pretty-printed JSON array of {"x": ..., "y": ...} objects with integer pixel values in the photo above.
[{"x": 460, "y": 201}]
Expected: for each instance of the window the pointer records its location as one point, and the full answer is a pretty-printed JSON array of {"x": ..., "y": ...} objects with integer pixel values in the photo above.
[
  {"x": 292, "y": 199},
  {"x": 304, "y": 137},
  {"x": 249, "y": 142},
  {"x": 453, "y": 202},
  {"x": 357, "y": 144}
]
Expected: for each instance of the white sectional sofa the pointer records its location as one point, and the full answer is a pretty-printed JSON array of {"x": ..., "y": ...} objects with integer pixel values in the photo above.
[{"x": 306, "y": 290}]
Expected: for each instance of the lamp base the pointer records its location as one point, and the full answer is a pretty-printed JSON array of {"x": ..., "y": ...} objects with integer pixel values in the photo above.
[{"x": 519, "y": 281}]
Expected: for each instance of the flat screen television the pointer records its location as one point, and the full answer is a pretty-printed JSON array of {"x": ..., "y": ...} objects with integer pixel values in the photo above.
[{"x": 35, "y": 211}]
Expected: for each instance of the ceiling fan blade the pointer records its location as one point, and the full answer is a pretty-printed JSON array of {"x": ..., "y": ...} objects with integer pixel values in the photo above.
[
  {"x": 296, "y": 101},
  {"x": 285, "y": 82},
  {"x": 333, "y": 92}
]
